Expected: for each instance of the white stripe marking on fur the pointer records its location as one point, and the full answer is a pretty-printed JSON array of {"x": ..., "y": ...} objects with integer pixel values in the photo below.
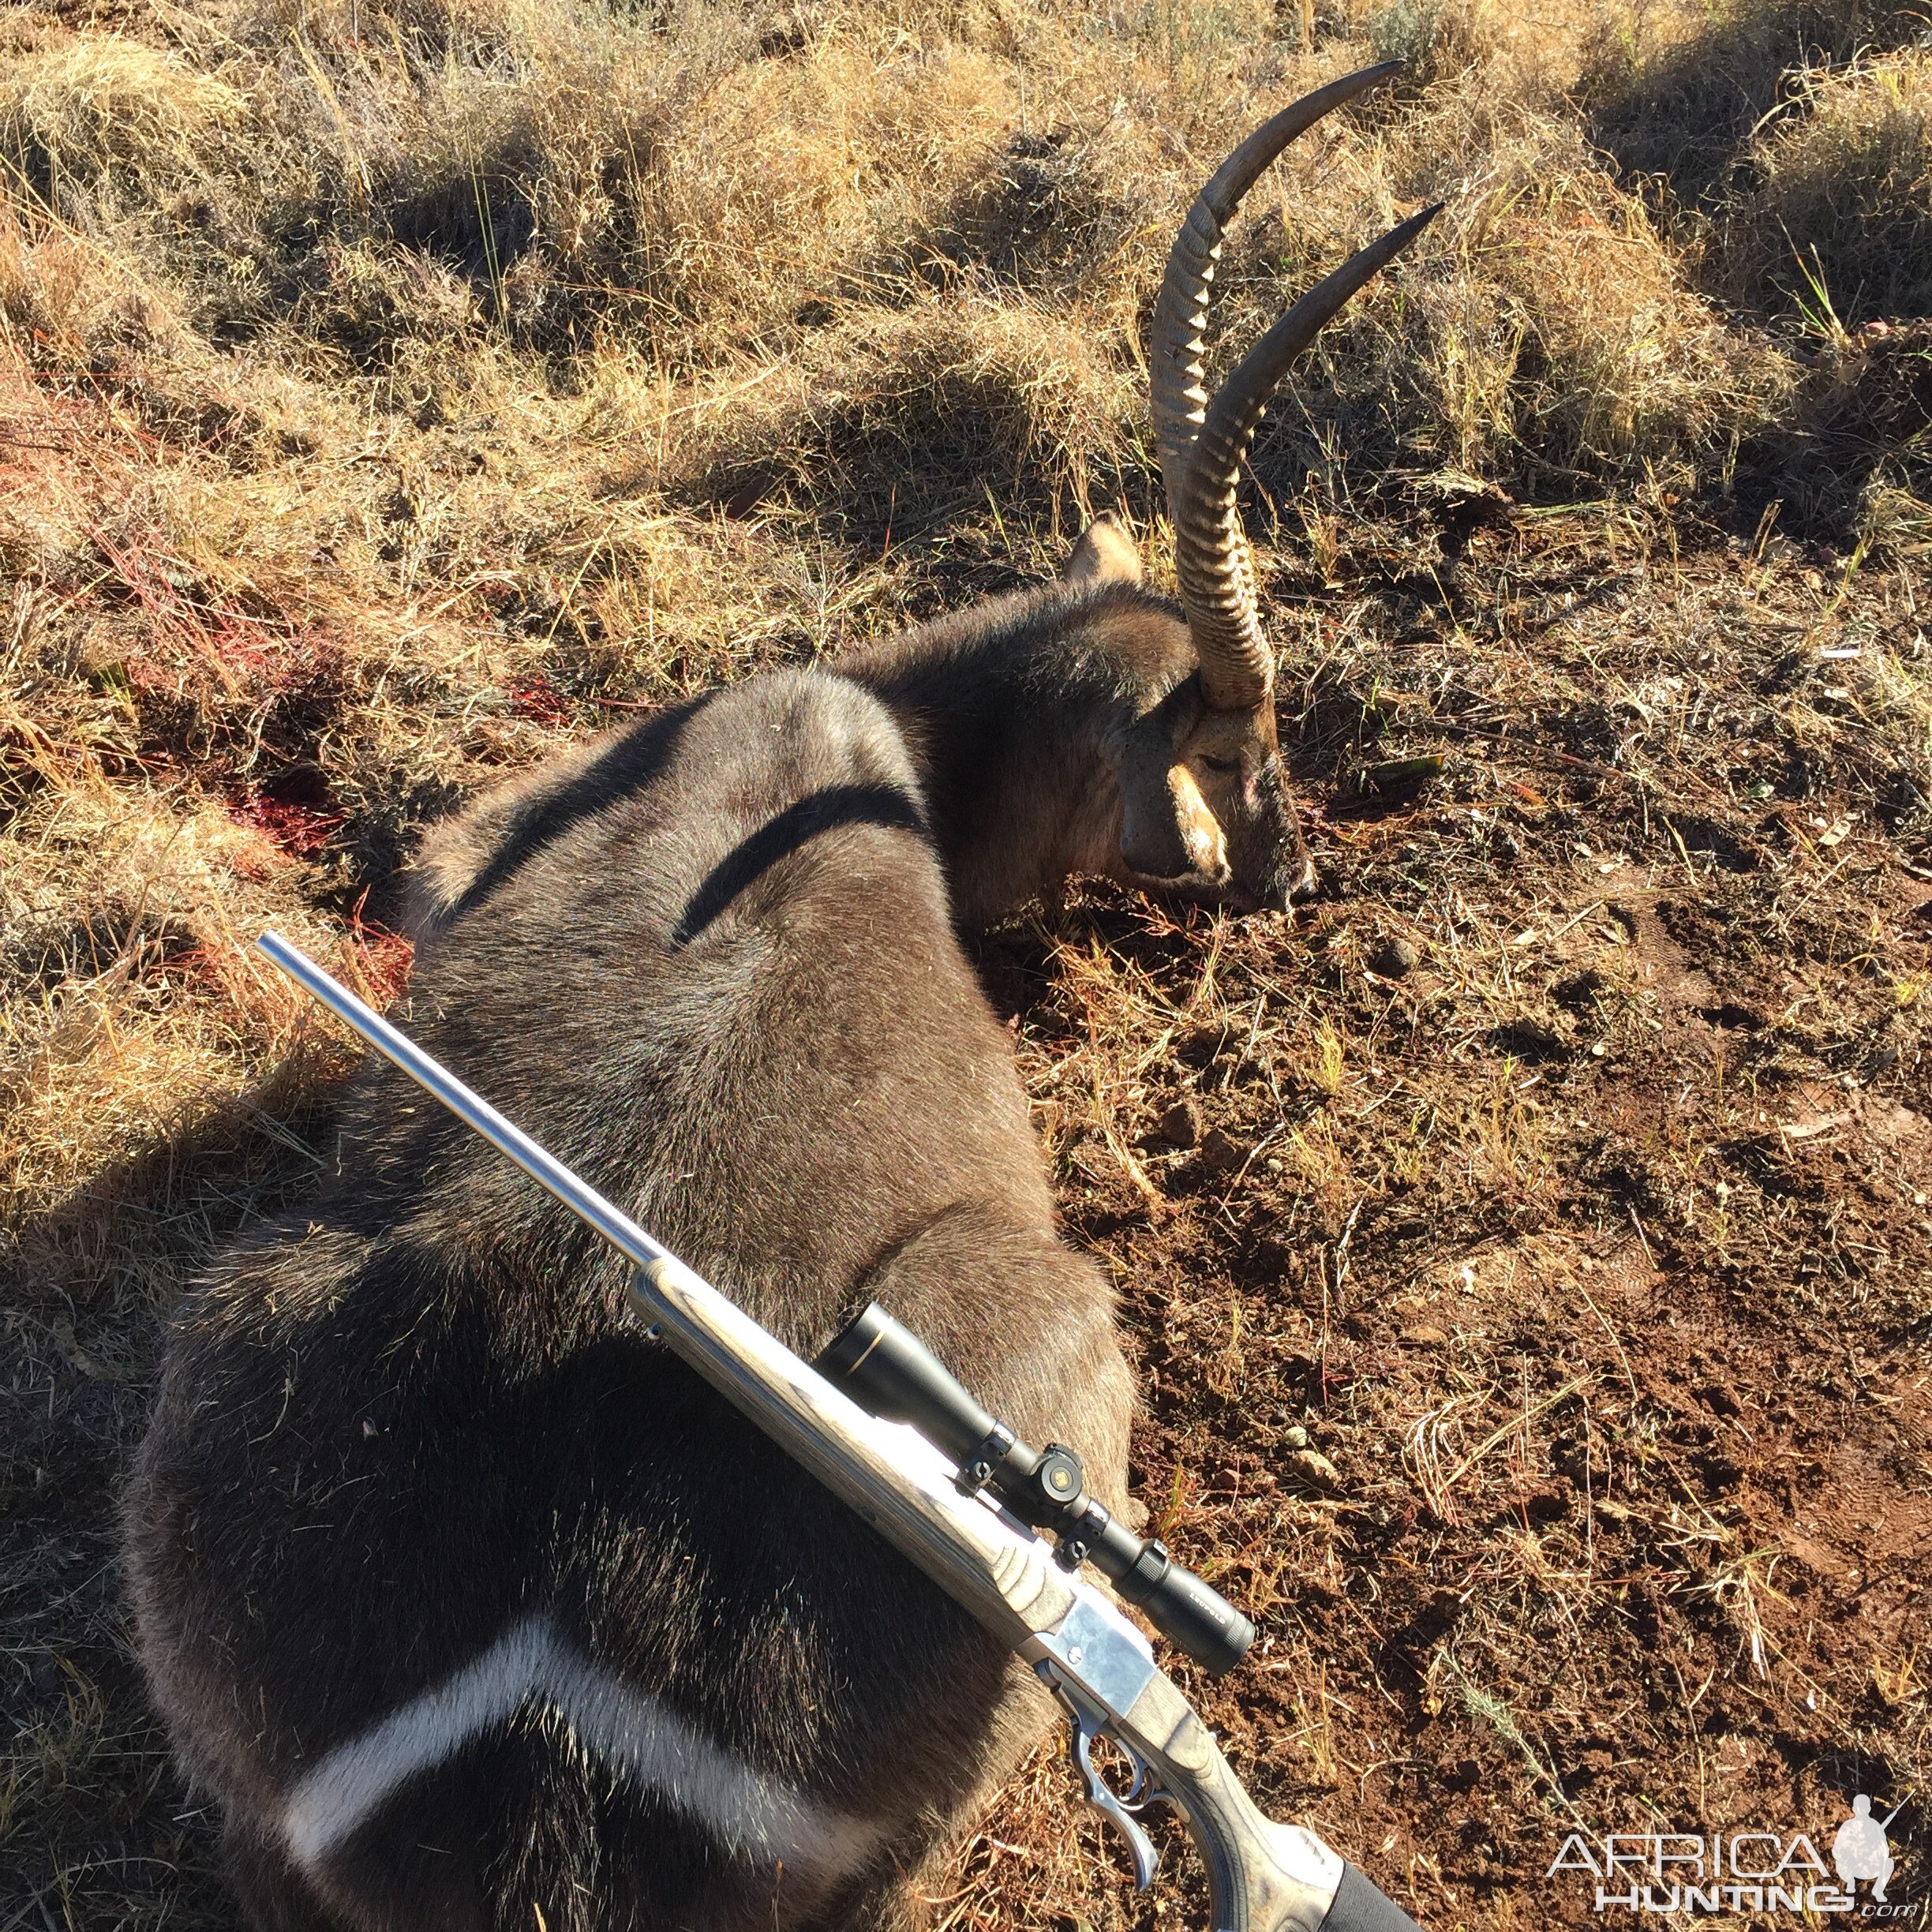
[{"x": 748, "y": 1811}]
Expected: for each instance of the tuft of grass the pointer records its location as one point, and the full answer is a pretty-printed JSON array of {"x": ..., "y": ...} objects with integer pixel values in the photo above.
[
  {"x": 1678, "y": 94},
  {"x": 134, "y": 1017},
  {"x": 1432, "y": 38},
  {"x": 107, "y": 117},
  {"x": 1839, "y": 214},
  {"x": 1036, "y": 410},
  {"x": 1566, "y": 337}
]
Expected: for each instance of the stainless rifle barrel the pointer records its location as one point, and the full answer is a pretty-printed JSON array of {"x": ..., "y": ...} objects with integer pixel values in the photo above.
[{"x": 613, "y": 1223}]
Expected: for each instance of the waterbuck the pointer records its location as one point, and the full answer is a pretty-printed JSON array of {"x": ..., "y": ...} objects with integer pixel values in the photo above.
[{"x": 468, "y": 1604}]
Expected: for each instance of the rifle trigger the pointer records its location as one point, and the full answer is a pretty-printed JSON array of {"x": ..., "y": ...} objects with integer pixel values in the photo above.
[{"x": 1108, "y": 1803}]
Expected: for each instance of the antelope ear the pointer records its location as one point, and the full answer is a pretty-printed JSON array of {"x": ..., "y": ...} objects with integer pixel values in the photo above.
[
  {"x": 1105, "y": 555},
  {"x": 1167, "y": 827}
]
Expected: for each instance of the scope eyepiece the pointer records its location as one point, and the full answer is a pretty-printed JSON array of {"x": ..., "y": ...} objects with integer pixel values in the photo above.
[{"x": 884, "y": 1367}]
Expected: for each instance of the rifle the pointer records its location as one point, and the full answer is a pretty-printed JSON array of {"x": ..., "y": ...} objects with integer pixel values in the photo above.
[{"x": 969, "y": 1521}]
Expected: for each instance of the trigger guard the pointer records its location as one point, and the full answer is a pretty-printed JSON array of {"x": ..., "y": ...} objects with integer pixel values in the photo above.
[{"x": 1110, "y": 1804}]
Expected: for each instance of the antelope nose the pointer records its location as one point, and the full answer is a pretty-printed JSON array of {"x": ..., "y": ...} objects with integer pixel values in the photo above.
[{"x": 1305, "y": 882}]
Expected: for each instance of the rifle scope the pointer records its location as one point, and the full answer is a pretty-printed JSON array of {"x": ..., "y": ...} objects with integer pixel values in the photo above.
[{"x": 885, "y": 1367}]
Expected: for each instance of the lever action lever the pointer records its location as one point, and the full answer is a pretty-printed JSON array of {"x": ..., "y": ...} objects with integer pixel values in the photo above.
[
  {"x": 885, "y": 1368},
  {"x": 1120, "y": 1808}
]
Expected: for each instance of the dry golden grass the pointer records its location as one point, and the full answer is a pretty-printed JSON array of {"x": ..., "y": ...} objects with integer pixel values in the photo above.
[
  {"x": 391, "y": 391},
  {"x": 1678, "y": 93},
  {"x": 113, "y": 117},
  {"x": 1840, "y": 221}
]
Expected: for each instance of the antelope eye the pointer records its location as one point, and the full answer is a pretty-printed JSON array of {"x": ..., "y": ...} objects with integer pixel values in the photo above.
[{"x": 1220, "y": 764}]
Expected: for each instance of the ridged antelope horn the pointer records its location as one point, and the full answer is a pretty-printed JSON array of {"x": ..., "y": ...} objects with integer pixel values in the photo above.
[
  {"x": 1180, "y": 402},
  {"x": 1211, "y": 552},
  {"x": 1180, "y": 324}
]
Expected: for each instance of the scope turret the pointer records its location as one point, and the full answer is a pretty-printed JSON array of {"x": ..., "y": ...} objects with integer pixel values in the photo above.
[{"x": 885, "y": 1367}]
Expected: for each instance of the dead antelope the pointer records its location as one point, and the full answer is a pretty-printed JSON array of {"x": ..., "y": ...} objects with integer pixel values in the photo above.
[{"x": 470, "y": 1606}]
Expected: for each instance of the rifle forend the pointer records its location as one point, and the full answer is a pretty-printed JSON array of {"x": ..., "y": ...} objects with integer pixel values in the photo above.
[{"x": 1262, "y": 1877}]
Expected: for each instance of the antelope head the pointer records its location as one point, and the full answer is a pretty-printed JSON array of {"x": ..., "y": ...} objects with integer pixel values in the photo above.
[{"x": 1206, "y": 811}]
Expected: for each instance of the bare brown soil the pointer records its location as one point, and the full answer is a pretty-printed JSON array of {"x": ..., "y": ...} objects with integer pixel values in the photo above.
[{"x": 1590, "y": 1257}]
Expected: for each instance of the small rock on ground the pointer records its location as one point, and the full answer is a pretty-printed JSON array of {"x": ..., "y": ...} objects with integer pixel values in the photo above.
[{"x": 1395, "y": 956}]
